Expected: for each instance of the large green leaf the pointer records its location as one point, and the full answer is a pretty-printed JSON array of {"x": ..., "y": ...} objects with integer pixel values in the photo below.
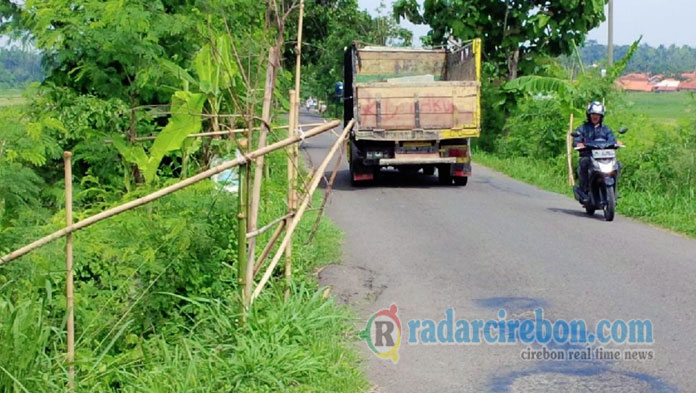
[
  {"x": 186, "y": 119},
  {"x": 534, "y": 84},
  {"x": 133, "y": 154},
  {"x": 178, "y": 72},
  {"x": 215, "y": 66}
]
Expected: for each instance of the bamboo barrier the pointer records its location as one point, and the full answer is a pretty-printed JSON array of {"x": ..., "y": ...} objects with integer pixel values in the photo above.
[
  {"x": 569, "y": 153},
  {"x": 220, "y": 133},
  {"x": 163, "y": 192},
  {"x": 69, "y": 298},
  {"x": 318, "y": 175}
]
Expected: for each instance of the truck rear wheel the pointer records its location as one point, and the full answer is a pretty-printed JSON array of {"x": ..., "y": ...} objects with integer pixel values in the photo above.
[
  {"x": 443, "y": 175},
  {"x": 461, "y": 180}
]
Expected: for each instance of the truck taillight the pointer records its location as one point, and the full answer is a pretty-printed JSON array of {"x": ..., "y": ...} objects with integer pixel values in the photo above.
[{"x": 457, "y": 153}]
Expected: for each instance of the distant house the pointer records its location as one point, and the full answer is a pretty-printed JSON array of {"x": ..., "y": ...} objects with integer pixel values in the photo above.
[
  {"x": 687, "y": 76},
  {"x": 635, "y": 85},
  {"x": 667, "y": 85},
  {"x": 635, "y": 82},
  {"x": 689, "y": 85},
  {"x": 656, "y": 78},
  {"x": 635, "y": 76}
]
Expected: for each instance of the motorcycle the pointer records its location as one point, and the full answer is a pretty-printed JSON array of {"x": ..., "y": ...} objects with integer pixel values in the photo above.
[{"x": 603, "y": 175}]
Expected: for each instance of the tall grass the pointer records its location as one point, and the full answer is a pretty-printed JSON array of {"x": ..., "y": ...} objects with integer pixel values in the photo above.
[{"x": 157, "y": 304}]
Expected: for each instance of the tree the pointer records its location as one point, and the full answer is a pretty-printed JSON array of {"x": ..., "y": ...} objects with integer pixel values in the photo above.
[
  {"x": 332, "y": 25},
  {"x": 514, "y": 32},
  {"x": 105, "y": 70},
  {"x": 672, "y": 60}
]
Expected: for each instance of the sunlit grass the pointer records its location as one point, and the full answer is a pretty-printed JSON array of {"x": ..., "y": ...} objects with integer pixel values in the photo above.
[{"x": 11, "y": 97}]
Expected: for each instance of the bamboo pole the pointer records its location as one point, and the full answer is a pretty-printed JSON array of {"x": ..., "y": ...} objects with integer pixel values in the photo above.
[
  {"x": 292, "y": 194},
  {"x": 269, "y": 246},
  {"x": 298, "y": 52},
  {"x": 242, "y": 198},
  {"x": 69, "y": 298},
  {"x": 268, "y": 226},
  {"x": 569, "y": 153},
  {"x": 292, "y": 184},
  {"x": 327, "y": 192},
  {"x": 219, "y": 133},
  {"x": 258, "y": 170},
  {"x": 303, "y": 206},
  {"x": 163, "y": 192}
]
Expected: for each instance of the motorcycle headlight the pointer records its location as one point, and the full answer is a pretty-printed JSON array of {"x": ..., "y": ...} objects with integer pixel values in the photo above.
[{"x": 606, "y": 167}]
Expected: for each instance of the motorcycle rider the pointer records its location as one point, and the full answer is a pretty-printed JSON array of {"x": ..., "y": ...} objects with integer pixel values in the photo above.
[{"x": 591, "y": 130}]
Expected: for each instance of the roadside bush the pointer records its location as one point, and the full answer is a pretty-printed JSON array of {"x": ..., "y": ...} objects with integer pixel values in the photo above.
[{"x": 536, "y": 128}]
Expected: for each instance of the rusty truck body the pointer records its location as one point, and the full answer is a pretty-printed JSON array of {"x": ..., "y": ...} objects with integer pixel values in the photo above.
[{"x": 415, "y": 109}]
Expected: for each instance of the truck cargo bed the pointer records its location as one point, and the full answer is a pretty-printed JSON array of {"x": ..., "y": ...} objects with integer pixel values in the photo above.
[{"x": 428, "y": 106}]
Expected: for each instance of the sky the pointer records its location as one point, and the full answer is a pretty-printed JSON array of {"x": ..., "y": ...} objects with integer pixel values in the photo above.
[{"x": 663, "y": 22}]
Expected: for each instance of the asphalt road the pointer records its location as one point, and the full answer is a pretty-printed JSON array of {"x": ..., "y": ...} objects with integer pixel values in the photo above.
[{"x": 501, "y": 244}]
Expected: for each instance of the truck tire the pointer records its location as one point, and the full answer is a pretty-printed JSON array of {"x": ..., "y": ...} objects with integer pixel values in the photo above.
[
  {"x": 461, "y": 180},
  {"x": 443, "y": 175},
  {"x": 351, "y": 172}
]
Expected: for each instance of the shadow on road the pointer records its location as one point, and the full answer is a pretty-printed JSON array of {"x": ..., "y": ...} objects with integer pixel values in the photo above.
[
  {"x": 389, "y": 179},
  {"x": 577, "y": 213}
]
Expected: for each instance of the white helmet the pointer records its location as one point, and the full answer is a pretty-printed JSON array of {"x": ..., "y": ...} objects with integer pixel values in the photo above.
[{"x": 595, "y": 108}]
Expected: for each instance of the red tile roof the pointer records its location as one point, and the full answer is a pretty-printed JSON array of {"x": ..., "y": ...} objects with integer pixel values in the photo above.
[
  {"x": 635, "y": 76},
  {"x": 688, "y": 85},
  {"x": 635, "y": 85}
]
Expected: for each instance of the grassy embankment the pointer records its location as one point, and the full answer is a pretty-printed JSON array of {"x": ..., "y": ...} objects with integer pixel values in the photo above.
[
  {"x": 657, "y": 185},
  {"x": 157, "y": 300}
]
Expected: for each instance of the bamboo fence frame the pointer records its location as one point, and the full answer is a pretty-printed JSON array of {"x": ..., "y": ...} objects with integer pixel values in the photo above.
[
  {"x": 247, "y": 270},
  {"x": 232, "y": 131},
  {"x": 248, "y": 267},
  {"x": 318, "y": 175},
  {"x": 163, "y": 192}
]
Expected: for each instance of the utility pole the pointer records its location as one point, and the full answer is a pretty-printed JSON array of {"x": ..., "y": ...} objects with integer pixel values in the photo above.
[{"x": 610, "y": 40}]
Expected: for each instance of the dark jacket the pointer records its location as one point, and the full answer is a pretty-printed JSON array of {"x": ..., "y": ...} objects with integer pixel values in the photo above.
[{"x": 588, "y": 132}]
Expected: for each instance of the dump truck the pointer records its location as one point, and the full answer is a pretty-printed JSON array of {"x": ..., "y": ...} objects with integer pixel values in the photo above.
[{"x": 415, "y": 109}]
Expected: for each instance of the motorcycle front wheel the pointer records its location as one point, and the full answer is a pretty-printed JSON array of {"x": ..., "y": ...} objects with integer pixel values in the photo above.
[{"x": 610, "y": 203}]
